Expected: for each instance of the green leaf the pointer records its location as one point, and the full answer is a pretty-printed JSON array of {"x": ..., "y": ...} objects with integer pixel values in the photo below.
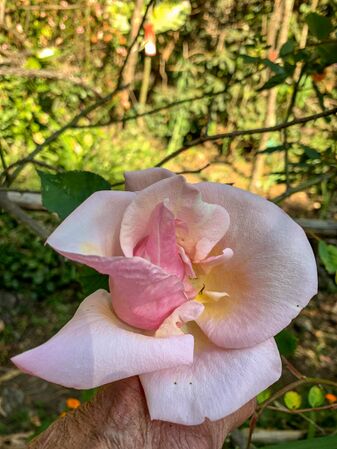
[
  {"x": 287, "y": 48},
  {"x": 250, "y": 59},
  {"x": 313, "y": 443},
  {"x": 286, "y": 342},
  {"x": 274, "y": 81},
  {"x": 91, "y": 280},
  {"x": 310, "y": 152},
  {"x": 328, "y": 54},
  {"x": 316, "y": 396},
  {"x": 272, "y": 149},
  {"x": 292, "y": 400},
  {"x": 63, "y": 192},
  {"x": 328, "y": 255},
  {"x": 263, "y": 396},
  {"x": 272, "y": 66},
  {"x": 319, "y": 26}
]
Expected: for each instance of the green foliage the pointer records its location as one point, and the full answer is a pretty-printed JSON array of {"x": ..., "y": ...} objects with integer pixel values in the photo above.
[
  {"x": 63, "y": 192},
  {"x": 29, "y": 266},
  {"x": 319, "y": 26},
  {"x": 263, "y": 396},
  {"x": 286, "y": 342},
  {"x": 314, "y": 443},
  {"x": 170, "y": 15},
  {"x": 328, "y": 255},
  {"x": 91, "y": 280},
  {"x": 316, "y": 396},
  {"x": 292, "y": 400}
]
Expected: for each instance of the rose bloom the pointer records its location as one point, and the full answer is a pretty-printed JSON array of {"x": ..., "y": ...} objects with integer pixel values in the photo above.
[{"x": 202, "y": 276}]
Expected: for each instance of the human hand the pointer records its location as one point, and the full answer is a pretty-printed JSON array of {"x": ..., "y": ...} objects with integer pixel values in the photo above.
[{"x": 117, "y": 418}]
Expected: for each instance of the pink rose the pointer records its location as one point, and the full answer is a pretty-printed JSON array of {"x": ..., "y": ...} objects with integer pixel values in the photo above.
[{"x": 201, "y": 278}]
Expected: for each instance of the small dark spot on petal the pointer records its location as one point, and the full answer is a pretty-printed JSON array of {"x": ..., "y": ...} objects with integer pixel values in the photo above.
[
  {"x": 175, "y": 383},
  {"x": 190, "y": 383}
]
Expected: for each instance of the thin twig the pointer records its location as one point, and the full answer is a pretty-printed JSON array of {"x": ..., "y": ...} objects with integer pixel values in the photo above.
[
  {"x": 152, "y": 111},
  {"x": 247, "y": 132},
  {"x": 294, "y": 371},
  {"x": 16, "y": 212},
  {"x": 196, "y": 171},
  {"x": 303, "y": 186},
  {"x": 128, "y": 118},
  {"x": 302, "y": 410}
]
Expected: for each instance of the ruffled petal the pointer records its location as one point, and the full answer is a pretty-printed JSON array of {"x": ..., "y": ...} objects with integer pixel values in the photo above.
[
  {"x": 271, "y": 276},
  {"x": 143, "y": 294},
  {"x": 199, "y": 225},
  {"x": 217, "y": 384},
  {"x": 160, "y": 245},
  {"x": 95, "y": 348},
  {"x": 139, "y": 180},
  {"x": 92, "y": 230}
]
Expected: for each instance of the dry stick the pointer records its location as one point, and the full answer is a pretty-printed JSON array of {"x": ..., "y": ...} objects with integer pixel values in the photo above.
[
  {"x": 294, "y": 371},
  {"x": 16, "y": 212},
  {"x": 247, "y": 132},
  {"x": 278, "y": 394},
  {"x": 20, "y": 164}
]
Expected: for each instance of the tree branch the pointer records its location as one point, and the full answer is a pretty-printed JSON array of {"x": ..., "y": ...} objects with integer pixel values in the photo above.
[
  {"x": 247, "y": 132},
  {"x": 16, "y": 212}
]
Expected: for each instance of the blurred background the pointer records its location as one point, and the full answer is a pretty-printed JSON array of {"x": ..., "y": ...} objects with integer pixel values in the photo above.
[{"x": 232, "y": 91}]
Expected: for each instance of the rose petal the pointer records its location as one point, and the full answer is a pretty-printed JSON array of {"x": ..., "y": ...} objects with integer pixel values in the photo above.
[
  {"x": 218, "y": 382},
  {"x": 92, "y": 230},
  {"x": 95, "y": 348},
  {"x": 143, "y": 294},
  {"x": 199, "y": 225},
  {"x": 189, "y": 311},
  {"x": 160, "y": 245},
  {"x": 139, "y": 180},
  {"x": 270, "y": 278}
]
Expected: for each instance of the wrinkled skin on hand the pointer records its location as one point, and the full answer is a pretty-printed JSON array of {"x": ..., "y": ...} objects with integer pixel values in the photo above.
[{"x": 117, "y": 418}]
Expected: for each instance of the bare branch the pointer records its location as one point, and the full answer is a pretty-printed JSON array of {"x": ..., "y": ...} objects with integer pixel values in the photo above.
[
  {"x": 302, "y": 410},
  {"x": 232, "y": 134},
  {"x": 16, "y": 212},
  {"x": 305, "y": 185}
]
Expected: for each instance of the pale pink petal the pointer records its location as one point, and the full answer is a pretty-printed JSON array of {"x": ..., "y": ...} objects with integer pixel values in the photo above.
[
  {"x": 143, "y": 294},
  {"x": 210, "y": 262},
  {"x": 173, "y": 325},
  {"x": 217, "y": 384},
  {"x": 160, "y": 245},
  {"x": 199, "y": 225},
  {"x": 95, "y": 348},
  {"x": 139, "y": 180},
  {"x": 270, "y": 278},
  {"x": 91, "y": 232}
]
